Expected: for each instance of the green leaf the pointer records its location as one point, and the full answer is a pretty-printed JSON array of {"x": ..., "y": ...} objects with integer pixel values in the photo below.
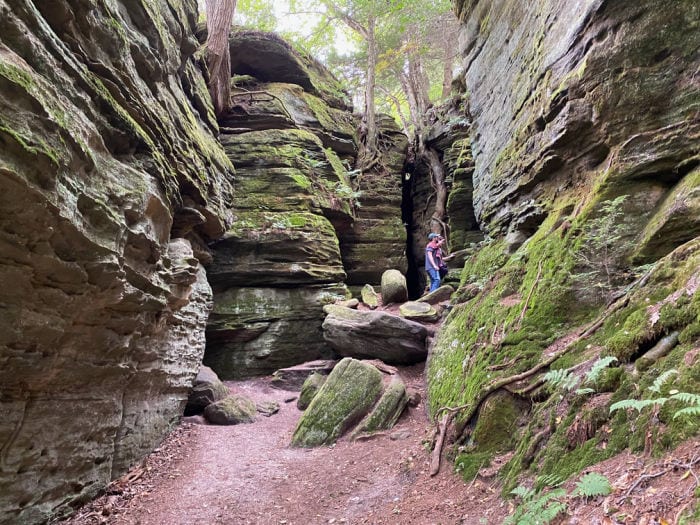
[
  {"x": 591, "y": 485},
  {"x": 656, "y": 387},
  {"x": 688, "y": 411}
]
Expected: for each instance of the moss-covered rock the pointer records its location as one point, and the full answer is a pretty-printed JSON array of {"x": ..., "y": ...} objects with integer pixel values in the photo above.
[
  {"x": 309, "y": 390},
  {"x": 369, "y": 296},
  {"x": 418, "y": 311},
  {"x": 207, "y": 388},
  {"x": 387, "y": 411},
  {"x": 350, "y": 391},
  {"x": 394, "y": 288},
  {"x": 231, "y": 410}
]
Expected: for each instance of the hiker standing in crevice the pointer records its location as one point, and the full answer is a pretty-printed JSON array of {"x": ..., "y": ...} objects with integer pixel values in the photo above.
[{"x": 433, "y": 260}]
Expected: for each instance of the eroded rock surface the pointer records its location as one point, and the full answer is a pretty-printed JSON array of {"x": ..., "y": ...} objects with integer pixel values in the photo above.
[
  {"x": 111, "y": 184},
  {"x": 375, "y": 334},
  {"x": 280, "y": 261}
]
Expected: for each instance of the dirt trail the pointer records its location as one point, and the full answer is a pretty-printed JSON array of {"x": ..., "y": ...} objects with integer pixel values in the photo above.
[{"x": 248, "y": 474}]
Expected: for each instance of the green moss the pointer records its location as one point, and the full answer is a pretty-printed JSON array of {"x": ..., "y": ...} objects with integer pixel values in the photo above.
[
  {"x": 350, "y": 390},
  {"x": 17, "y": 75},
  {"x": 635, "y": 331},
  {"x": 468, "y": 465}
]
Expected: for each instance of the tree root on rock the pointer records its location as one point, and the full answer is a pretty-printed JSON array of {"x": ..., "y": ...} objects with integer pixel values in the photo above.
[{"x": 561, "y": 347}]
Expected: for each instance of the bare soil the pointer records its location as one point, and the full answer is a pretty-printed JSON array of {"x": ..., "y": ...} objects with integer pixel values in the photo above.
[{"x": 248, "y": 474}]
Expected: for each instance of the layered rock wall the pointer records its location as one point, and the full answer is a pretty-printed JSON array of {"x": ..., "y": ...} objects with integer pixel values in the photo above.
[
  {"x": 280, "y": 261},
  {"x": 584, "y": 135},
  {"x": 569, "y": 96},
  {"x": 111, "y": 183}
]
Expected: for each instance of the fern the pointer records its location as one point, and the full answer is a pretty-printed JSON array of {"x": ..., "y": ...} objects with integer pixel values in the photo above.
[
  {"x": 688, "y": 411},
  {"x": 600, "y": 365},
  {"x": 536, "y": 508},
  {"x": 561, "y": 378},
  {"x": 687, "y": 398},
  {"x": 637, "y": 404},
  {"x": 592, "y": 485},
  {"x": 548, "y": 480},
  {"x": 658, "y": 383}
]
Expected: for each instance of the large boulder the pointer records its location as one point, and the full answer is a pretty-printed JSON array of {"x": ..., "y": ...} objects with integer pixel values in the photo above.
[
  {"x": 207, "y": 388},
  {"x": 231, "y": 410},
  {"x": 394, "y": 289},
  {"x": 350, "y": 391},
  {"x": 387, "y": 410},
  {"x": 375, "y": 334}
]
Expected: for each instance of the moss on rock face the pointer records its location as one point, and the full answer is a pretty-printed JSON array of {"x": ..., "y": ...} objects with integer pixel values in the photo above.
[
  {"x": 309, "y": 390},
  {"x": 231, "y": 410},
  {"x": 387, "y": 410},
  {"x": 350, "y": 391}
]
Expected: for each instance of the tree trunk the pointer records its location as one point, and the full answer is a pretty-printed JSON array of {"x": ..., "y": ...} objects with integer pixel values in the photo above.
[
  {"x": 370, "y": 111},
  {"x": 219, "y": 19}
]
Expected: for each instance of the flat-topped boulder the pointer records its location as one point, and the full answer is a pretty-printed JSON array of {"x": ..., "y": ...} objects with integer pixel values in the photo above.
[{"x": 374, "y": 334}]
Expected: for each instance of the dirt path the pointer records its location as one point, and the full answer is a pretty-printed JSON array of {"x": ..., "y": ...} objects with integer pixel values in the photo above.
[{"x": 248, "y": 474}]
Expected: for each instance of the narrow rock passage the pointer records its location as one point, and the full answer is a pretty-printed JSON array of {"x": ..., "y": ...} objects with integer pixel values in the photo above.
[{"x": 248, "y": 474}]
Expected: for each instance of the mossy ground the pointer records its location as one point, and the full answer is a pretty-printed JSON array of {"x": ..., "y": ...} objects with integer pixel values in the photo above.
[{"x": 496, "y": 334}]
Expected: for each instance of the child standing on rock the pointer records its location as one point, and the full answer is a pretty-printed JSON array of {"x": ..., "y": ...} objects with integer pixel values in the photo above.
[{"x": 433, "y": 259}]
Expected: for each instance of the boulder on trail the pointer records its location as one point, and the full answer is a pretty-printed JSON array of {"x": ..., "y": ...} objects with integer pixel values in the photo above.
[
  {"x": 232, "y": 410},
  {"x": 369, "y": 296},
  {"x": 387, "y": 410},
  {"x": 348, "y": 394},
  {"x": 293, "y": 377},
  {"x": 437, "y": 296},
  {"x": 419, "y": 311},
  {"x": 309, "y": 390},
  {"x": 375, "y": 334},
  {"x": 394, "y": 288},
  {"x": 207, "y": 388}
]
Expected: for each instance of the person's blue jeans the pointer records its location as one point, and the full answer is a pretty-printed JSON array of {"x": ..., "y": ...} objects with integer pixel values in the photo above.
[{"x": 434, "y": 279}]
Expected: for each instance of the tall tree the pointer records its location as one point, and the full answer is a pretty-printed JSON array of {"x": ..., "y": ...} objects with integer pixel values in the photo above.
[{"x": 219, "y": 20}]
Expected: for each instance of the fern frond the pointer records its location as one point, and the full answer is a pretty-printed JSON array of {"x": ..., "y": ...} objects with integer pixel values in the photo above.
[
  {"x": 637, "y": 404},
  {"x": 688, "y": 411},
  {"x": 687, "y": 397},
  {"x": 561, "y": 378},
  {"x": 584, "y": 391},
  {"x": 549, "y": 480},
  {"x": 523, "y": 492},
  {"x": 600, "y": 365},
  {"x": 656, "y": 387},
  {"x": 591, "y": 485}
]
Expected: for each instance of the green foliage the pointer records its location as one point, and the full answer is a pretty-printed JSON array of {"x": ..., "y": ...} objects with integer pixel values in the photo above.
[
  {"x": 601, "y": 364},
  {"x": 656, "y": 387},
  {"x": 539, "y": 506},
  {"x": 536, "y": 508},
  {"x": 592, "y": 485},
  {"x": 561, "y": 378},
  {"x": 605, "y": 240}
]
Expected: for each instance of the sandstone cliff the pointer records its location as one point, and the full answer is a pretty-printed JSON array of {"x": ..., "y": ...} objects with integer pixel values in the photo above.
[
  {"x": 111, "y": 184},
  {"x": 305, "y": 223},
  {"x": 584, "y": 136}
]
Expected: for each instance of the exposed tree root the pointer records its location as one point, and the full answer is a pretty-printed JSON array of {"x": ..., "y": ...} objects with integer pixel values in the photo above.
[{"x": 563, "y": 345}]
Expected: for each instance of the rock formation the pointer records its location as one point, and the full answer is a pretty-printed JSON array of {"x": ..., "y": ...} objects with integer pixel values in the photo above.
[
  {"x": 583, "y": 134},
  {"x": 303, "y": 227},
  {"x": 375, "y": 335},
  {"x": 111, "y": 184},
  {"x": 280, "y": 261},
  {"x": 355, "y": 391}
]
